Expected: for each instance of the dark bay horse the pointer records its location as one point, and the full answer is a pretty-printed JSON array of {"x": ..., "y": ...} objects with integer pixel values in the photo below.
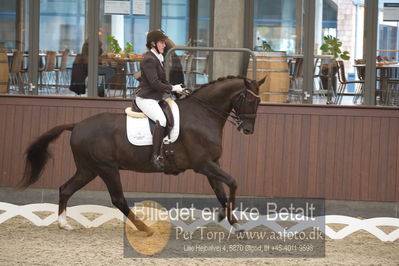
[{"x": 100, "y": 146}]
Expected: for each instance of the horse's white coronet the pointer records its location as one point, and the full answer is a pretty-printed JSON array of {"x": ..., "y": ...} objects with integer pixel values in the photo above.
[
  {"x": 63, "y": 223},
  {"x": 66, "y": 227}
]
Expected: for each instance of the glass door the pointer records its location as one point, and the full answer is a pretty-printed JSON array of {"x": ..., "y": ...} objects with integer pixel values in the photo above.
[
  {"x": 275, "y": 26},
  {"x": 175, "y": 20},
  {"x": 339, "y": 52},
  {"x": 203, "y": 18},
  {"x": 122, "y": 35},
  {"x": 127, "y": 21},
  {"x": 14, "y": 45},
  {"x": 63, "y": 48},
  {"x": 188, "y": 22},
  {"x": 387, "y": 85},
  {"x": 277, "y": 40}
]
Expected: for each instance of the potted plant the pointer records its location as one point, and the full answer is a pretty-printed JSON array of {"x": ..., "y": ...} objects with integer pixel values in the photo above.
[
  {"x": 263, "y": 46},
  {"x": 332, "y": 46},
  {"x": 113, "y": 45},
  {"x": 266, "y": 46},
  {"x": 379, "y": 60},
  {"x": 128, "y": 48}
]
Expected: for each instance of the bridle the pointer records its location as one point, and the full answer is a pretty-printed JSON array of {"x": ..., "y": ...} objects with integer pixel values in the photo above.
[
  {"x": 237, "y": 104},
  {"x": 235, "y": 117}
]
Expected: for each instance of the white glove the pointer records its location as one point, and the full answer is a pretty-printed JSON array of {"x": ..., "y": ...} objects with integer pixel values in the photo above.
[{"x": 177, "y": 88}]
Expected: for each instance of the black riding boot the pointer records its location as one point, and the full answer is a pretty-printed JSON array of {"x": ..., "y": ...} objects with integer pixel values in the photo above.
[{"x": 157, "y": 137}]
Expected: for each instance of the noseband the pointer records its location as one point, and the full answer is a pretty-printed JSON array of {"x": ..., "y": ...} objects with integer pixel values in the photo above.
[{"x": 238, "y": 116}]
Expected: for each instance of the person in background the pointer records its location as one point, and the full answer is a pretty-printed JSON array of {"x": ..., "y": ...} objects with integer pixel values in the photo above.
[
  {"x": 176, "y": 75},
  {"x": 80, "y": 70}
]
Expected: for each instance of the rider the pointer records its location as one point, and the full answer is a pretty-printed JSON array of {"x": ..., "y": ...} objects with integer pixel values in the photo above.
[{"x": 153, "y": 85}]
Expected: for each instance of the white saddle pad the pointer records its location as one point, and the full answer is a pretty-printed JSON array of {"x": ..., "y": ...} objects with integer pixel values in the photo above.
[{"x": 138, "y": 129}]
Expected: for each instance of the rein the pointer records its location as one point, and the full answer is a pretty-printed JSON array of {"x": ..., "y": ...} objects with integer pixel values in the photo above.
[{"x": 236, "y": 116}]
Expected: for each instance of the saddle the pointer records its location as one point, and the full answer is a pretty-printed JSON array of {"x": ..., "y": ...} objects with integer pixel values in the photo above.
[
  {"x": 137, "y": 113},
  {"x": 139, "y": 129}
]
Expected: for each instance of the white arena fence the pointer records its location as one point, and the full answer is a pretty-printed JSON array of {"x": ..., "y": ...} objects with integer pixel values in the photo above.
[{"x": 8, "y": 211}]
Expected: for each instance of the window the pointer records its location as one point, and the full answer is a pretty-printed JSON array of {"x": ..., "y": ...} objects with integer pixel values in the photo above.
[{"x": 275, "y": 24}]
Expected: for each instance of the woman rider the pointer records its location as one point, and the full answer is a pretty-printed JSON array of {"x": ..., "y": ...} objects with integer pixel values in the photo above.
[{"x": 153, "y": 85}]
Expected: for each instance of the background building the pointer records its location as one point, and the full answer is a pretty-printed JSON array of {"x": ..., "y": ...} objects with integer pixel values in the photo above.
[
  {"x": 323, "y": 151},
  {"x": 66, "y": 24}
]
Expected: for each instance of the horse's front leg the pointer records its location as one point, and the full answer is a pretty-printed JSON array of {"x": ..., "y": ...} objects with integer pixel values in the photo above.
[
  {"x": 216, "y": 177},
  {"x": 218, "y": 188}
]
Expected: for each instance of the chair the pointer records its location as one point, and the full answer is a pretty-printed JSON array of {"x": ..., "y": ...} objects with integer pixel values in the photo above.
[
  {"x": 323, "y": 78},
  {"x": 393, "y": 92},
  {"x": 61, "y": 75},
  {"x": 44, "y": 73},
  {"x": 392, "y": 97},
  {"x": 343, "y": 82},
  {"x": 187, "y": 70},
  {"x": 361, "y": 72},
  {"x": 15, "y": 81},
  {"x": 116, "y": 72},
  {"x": 296, "y": 91},
  {"x": 131, "y": 74},
  {"x": 102, "y": 90},
  {"x": 191, "y": 69}
]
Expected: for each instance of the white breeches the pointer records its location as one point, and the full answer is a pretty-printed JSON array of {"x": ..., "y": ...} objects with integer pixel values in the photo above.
[{"x": 152, "y": 109}]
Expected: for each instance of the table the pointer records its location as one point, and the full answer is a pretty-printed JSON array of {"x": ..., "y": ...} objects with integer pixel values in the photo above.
[{"x": 385, "y": 76}]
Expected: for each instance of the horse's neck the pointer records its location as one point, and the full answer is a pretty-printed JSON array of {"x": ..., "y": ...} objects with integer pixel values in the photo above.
[{"x": 209, "y": 107}]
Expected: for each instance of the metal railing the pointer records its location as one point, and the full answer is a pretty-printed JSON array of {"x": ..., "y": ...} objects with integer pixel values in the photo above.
[{"x": 213, "y": 49}]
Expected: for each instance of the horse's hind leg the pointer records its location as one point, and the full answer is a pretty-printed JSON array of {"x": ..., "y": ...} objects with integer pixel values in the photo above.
[
  {"x": 112, "y": 179},
  {"x": 79, "y": 180}
]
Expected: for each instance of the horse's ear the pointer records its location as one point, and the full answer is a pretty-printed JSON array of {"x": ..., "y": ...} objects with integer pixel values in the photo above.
[
  {"x": 260, "y": 82},
  {"x": 246, "y": 83}
]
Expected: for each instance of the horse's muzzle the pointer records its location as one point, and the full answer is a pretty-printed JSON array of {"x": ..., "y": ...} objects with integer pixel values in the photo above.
[
  {"x": 245, "y": 131},
  {"x": 248, "y": 132}
]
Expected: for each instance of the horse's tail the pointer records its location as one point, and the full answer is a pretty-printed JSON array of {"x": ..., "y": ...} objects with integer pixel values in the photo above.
[{"x": 37, "y": 154}]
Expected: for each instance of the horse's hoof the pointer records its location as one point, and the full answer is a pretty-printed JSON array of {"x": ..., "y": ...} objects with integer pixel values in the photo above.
[
  {"x": 237, "y": 227},
  {"x": 221, "y": 216},
  {"x": 149, "y": 232},
  {"x": 65, "y": 227}
]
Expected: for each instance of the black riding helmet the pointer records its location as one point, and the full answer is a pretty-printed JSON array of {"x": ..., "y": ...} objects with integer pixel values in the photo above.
[{"x": 155, "y": 36}]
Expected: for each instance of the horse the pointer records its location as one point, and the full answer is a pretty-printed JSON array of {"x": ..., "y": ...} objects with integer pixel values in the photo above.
[{"x": 100, "y": 146}]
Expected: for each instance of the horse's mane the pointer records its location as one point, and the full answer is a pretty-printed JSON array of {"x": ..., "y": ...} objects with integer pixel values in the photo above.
[
  {"x": 218, "y": 80},
  {"x": 221, "y": 79}
]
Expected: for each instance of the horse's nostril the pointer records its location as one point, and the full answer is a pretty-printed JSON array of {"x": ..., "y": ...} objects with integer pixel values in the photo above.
[{"x": 247, "y": 131}]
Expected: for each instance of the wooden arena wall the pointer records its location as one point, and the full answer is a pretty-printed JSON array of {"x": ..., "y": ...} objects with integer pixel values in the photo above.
[{"x": 332, "y": 152}]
